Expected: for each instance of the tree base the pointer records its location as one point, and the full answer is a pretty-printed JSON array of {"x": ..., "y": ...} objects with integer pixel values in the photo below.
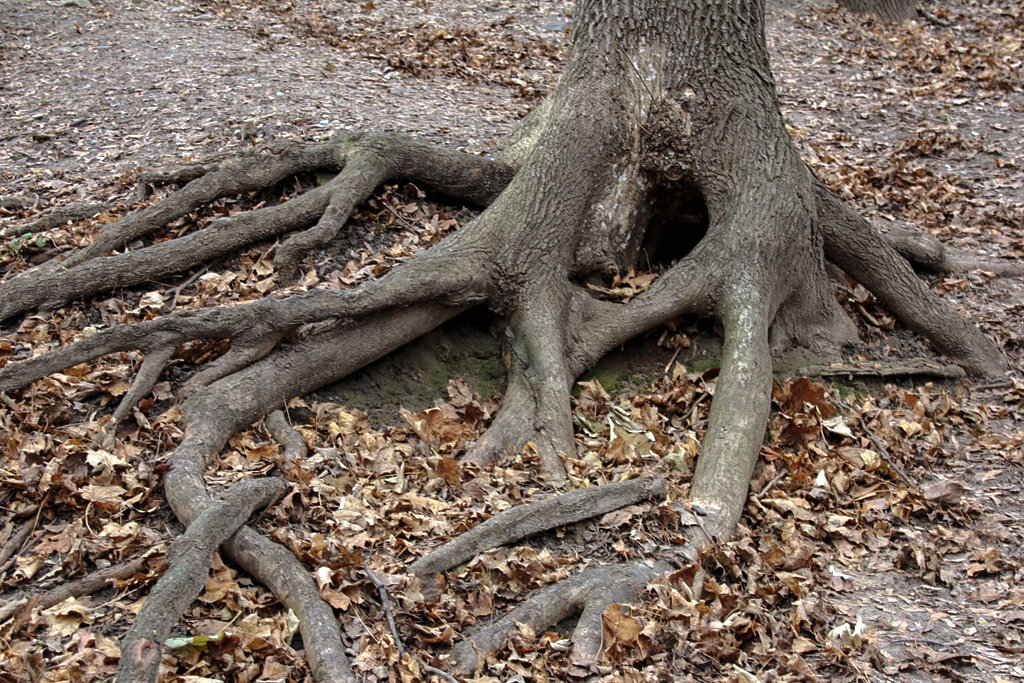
[{"x": 590, "y": 185}]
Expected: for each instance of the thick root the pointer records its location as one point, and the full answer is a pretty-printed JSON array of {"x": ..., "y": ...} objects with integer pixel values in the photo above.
[
  {"x": 523, "y": 521},
  {"x": 269, "y": 563},
  {"x": 588, "y": 594},
  {"x": 925, "y": 251},
  {"x": 254, "y": 328},
  {"x": 921, "y": 367},
  {"x": 364, "y": 163},
  {"x": 216, "y": 412},
  {"x": 55, "y": 287},
  {"x": 263, "y": 168},
  {"x": 189, "y": 559},
  {"x": 536, "y": 408},
  {"x": 856, "y": 247},
  {"x": 739, "y": 414}
]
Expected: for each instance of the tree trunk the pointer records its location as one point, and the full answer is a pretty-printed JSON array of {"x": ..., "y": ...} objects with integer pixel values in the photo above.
[
  {"x": 663, "y": 142},
  {"x": 884, "y": 10}
]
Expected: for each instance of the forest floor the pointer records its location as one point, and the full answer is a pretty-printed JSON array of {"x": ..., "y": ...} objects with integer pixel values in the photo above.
[{"x": 884, "y": 531}]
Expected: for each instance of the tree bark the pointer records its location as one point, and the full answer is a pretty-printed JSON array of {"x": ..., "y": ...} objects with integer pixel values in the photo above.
[{"x": 665, "y": 109}]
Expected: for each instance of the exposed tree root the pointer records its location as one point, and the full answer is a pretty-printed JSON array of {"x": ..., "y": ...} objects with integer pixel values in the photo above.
[
  {"x": 587, "y": 594},
  {"x": 85, "y": 585},
  {"x": 581, "y": 185},
  {"x": 189, "y": 558},
  {"x": 56, "y": 217},
  {"x": 918, "y": 366},
  {"x": 295, "y": 449},
  {"x": 214, "y": 413},
  {"x": 363, "y": 163},
  {"x": 267, "y": 562},
  {"x": 737, "y": 420},
  {"x": 856, "y": 247},
  {"x": 526, "y": 520},
  {"x": 263, "y": 167},
  {"x": 929, "y": 253},
  {"x": 253, "y": 328}
]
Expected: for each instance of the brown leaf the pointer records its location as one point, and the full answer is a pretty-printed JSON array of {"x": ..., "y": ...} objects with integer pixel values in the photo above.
[
  {"x": 944, "y": 492},
  {"x": 448, "y": 469}
]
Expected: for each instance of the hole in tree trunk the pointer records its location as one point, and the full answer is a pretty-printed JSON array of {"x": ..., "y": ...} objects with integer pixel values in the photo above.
[{"x": 678, "y": 221}]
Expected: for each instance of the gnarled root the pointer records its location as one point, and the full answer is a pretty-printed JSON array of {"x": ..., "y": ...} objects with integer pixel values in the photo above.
[
  {"x": 587, "y": 594},
  {"x": 216, "y": 412},
  {"x": 718, "y": 492},
  {"x": 255, "y": 328},
  {"x": 189, "y": 559},
  {"x": 362, "y": 162},
  {"x": 854, "y": 245},
  {"x": 523, "y": 521},
  {"x": 777, "y": 223}
]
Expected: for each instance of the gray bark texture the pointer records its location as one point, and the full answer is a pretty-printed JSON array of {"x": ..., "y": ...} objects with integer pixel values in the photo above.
[{"x": 666, "y": 108}]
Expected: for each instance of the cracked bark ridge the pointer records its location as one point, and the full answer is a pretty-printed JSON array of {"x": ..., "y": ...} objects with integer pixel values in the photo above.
[
  {"x": 189, "y": 559},
  {"x": 663, "y": 108}
]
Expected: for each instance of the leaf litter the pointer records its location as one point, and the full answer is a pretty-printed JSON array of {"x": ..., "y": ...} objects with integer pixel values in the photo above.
[{"x": 882, "y": 536}]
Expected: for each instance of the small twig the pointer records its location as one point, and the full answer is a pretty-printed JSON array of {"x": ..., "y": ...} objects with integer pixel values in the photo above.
[
  {"x": 1006, "y": 384},
  {"x": 9, "y": 402},
  {"x": 16, "y": 545},
  {"x": 887, "y": 456},
  {"x": 192, "y": 278},
  {"x": 775, "y": 480},
  {"x": 693, "y": 409},
  {"x": 401, "y": 219},
  {"x": 385, "y": 603},
  {"x": 295, "y": 449},
  {"x": 672, "y": 360}
]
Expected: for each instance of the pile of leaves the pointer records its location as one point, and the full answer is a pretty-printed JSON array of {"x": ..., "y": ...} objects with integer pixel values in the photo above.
[
  {"x": 965, "y": 57},
  {"x": 837, "y": 489},
  {"x": 500, "y": 52}
]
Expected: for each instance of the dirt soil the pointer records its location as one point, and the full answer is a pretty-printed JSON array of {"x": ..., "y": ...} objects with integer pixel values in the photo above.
[{"x": 916, "y": 551}]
